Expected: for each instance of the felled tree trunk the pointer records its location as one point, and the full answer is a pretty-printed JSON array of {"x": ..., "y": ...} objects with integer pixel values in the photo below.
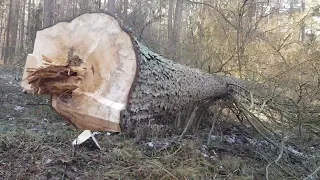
[{"x": 101, "y": 78}]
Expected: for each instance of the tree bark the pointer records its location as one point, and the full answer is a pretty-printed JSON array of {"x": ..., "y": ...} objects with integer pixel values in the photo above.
[
  {"x": 101, "y": 78},
  {"x": 36, "y": 23},
  {"x": 177, "y": 29},
  {"x": 29, "y": 25},
  {"x": 37, "y": 18},
  {"x": 22, "y": 26},
  {"x": 105, "y": 4},
  {"x": 3, "y": 34},
  {"x": 170, "y": 27},
  {"x": 14, "y": 30},
  {"x": 7, "y": 48},
  {"x": 291, "y": 8},
  {"x": 48, "y": 13},
  {"x": 61, "y": 10},
  {"x": 125, "y": 9},
  {"x": 99, "y": 4},
  {"x": 252, "y": 12},
  {"x": 111, "y": 6},
  {"x": 303, "y": 25},
  {"x": 74, "y": 5},
  {"x": 120, "y": 7}
]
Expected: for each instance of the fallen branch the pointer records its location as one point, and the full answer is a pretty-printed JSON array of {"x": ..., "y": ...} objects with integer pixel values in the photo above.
[{"x": 281, "y": 151}]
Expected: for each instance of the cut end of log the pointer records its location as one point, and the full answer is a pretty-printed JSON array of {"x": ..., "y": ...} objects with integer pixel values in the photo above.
[{"x": 87, "y": 66}]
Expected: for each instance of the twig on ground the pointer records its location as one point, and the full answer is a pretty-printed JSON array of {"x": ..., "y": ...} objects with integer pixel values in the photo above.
[
  {"x": 37, "y": 104},
  {"x": 216, "y": 112},
  {"x": 166, "y": 171},
  {"x": 312, "y": 174},
  {"x": 281, "y": 150},
  {"x": 193, "y": 115},
  {"x": 174, "y": 153},
  {"x": 244, "y": 112}
]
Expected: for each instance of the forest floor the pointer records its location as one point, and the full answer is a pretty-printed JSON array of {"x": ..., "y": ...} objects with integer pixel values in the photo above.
[{"x": 35, "y": 143}]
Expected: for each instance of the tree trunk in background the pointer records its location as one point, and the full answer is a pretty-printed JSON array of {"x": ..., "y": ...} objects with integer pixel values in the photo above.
[
  {"x": 61, "y": 10},
  {"x": 170, "y": 28},
  {"x": 177, "y": 29},
  {"x": 159, "y": 25},
  {"x": 14, "y": 30},
  {"x": 240, "y": 44},
  {"x": 111, "y": 6},
  {"x": 252, "y": 12},
  {"x": 117, "y": 85},
  {"x": 303, "y": 25},
  {"x": 48, "y": 13},
  {"x": 125, "y": 9},
  {"x": 291, "y": 8},
  {"x": 29, "y": 29},
  {"x": 54, "y": 12},
  {"x": 22, "y": 26},
  {"x": 7, "y": 48},
  {"x": 99, "y": 4},
  {"x": 3, "y": 34},
  {"x": 277, "y": 11},
  {"x": 37, "y": 19},
  {"x": 120, "y": 8},
  {"x": 105, "y": 6},
  {"x": 74, "y": 5},
  {"x": 36, "y": 22}
]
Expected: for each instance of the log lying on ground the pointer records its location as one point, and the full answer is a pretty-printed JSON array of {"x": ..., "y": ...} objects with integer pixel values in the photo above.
[{"x": 100, "y": 78}]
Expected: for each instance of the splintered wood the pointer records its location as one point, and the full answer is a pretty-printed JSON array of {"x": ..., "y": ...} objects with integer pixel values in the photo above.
[{"x": 55, "y": 79}]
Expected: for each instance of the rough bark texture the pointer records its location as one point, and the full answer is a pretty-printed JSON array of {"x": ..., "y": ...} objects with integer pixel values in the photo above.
[
  {"x": 163, "y": 88},
  {"x": 115, "y": 81}
]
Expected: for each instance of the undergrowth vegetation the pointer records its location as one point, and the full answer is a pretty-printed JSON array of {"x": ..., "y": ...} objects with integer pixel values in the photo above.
[{"x": 35, "y": 143}]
